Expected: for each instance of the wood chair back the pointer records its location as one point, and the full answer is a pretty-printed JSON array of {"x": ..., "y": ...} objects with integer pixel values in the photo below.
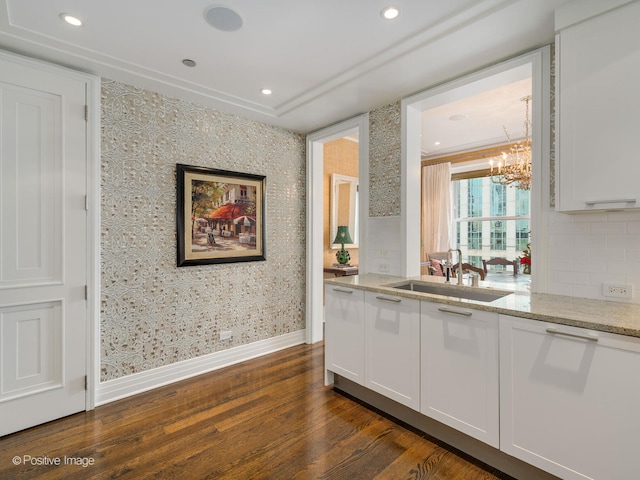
[{"x": 500, "y": 261}]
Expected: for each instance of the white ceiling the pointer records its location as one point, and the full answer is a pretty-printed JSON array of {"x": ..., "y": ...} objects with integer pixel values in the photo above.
[
  {"x": 478, "y": 114},
  {"x": 325, "y": 60}
]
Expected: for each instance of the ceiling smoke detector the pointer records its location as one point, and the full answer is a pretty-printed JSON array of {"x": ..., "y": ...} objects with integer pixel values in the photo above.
[{"x": 223, "y": 18}]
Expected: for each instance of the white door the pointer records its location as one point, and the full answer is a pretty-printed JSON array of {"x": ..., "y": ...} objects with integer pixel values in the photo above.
[{"x": 43, "y": 244}]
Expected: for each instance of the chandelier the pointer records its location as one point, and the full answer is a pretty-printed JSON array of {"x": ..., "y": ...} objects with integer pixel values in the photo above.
[{"x": 515, "y": 165}]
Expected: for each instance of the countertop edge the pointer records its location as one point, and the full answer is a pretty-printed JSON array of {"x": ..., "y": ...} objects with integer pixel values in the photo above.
[{"x": 597, "y": 315}]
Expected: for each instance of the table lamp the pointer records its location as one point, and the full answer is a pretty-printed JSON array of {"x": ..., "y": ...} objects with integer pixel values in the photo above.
[{"x": 342, "y": 237}]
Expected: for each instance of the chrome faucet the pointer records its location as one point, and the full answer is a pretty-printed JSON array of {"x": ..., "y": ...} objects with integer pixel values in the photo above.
[{"x": 459, "y": 262}]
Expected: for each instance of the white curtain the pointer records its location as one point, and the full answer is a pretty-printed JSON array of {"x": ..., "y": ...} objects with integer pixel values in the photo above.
[{"x": 436, "y": 209}]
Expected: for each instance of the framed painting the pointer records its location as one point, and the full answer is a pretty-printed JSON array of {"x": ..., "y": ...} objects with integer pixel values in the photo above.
[{"x": 220, "y": 216}]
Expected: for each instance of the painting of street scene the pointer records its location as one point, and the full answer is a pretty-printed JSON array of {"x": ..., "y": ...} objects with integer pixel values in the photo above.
[{"x": 220, "y": 216}]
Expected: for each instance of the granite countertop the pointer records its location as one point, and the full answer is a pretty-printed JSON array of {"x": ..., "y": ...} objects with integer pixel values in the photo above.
[{"x": 604, "y": 316}]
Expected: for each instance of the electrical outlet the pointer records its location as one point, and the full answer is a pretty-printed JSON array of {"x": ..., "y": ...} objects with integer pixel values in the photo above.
[
  {"x": 383, "y": 253},
  {"x": 383, "y": 267},
  {"x": 618, "y": 291},
  {"x": 226, "y": 335}
]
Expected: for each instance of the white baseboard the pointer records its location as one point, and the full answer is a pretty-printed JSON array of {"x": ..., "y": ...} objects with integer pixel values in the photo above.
[{"x": 119, "y": 388}]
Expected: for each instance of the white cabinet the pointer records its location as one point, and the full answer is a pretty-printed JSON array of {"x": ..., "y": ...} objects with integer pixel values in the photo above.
[
  {"x": 569, "y": 399},
  {"x": 344, "y": 331},
  {"x": 598, "y": 74},
  {"x": 392, "y": 347},
  {"x": 459, "y": 369}
]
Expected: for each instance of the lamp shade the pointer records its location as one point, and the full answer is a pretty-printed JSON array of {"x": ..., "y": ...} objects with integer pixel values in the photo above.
[{"x": 342, "y": 236}]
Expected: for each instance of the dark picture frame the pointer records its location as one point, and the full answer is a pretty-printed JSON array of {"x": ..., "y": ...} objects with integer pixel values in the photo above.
[{"x": 220, "y": 216}]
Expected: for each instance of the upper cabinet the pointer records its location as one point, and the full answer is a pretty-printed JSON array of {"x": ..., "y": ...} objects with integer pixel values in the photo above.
[{"x": 597, "y": 123}]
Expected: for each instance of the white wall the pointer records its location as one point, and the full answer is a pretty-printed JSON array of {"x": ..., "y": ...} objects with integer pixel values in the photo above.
[
  {"x": 587, "y": 250},
  {"x": 384, "y": 245}
]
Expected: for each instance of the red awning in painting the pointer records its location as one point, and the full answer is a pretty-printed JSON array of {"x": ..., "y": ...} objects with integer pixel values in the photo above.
[{"x": 228, "y": 212}]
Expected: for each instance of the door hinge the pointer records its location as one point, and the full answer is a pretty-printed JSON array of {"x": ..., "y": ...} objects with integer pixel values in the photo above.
[
  {"x": 86, "y": 113},
  {"x": 86, "y": 292},
  {"x": 86, "y": 202},
  {"x": 86, "y": 382}
]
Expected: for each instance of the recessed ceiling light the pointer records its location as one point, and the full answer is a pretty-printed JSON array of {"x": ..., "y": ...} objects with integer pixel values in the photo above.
[
  {"x": 266, "y": 91},
  {"x": 187, "y": 62},
  {"x": 436, "y": 143},
  {"x": 223, "y": 18},
  {"x": 71, "y": 20},
  {"x": 390, "y": 13},
  {"x": 458, "y": 117}
]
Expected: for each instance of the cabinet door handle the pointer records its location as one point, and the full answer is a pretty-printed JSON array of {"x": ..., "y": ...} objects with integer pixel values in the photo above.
[
  {"x": 455, "y": 312},
  {"x": 587, "y": 336},
  {"x": 342, "y": 290},
  {"x": 613, "y": 200},
  {"x": 386, "y": 299}
]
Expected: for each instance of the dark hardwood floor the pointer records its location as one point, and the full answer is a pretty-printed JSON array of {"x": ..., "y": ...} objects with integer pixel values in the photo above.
[{"x": 268, "y": 418}]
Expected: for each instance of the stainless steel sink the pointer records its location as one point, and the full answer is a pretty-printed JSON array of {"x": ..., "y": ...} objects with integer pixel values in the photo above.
[{"x": 451, "y": 291}]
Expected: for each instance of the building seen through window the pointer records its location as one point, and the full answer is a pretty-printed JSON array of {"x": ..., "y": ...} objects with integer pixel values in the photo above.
[{"x": 491, "y": 220}]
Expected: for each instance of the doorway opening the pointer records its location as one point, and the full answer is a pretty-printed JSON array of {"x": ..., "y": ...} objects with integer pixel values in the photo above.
[{"x": 318, "y": 247}]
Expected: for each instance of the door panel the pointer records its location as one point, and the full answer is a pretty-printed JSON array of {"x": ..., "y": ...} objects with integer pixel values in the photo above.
[
  {"x": 31, "y": 198},
  {"x": 43, "y": 244},
  {"x": 32, "y": 349}
]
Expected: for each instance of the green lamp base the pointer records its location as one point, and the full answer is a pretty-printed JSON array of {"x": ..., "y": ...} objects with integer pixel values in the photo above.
[{"x": 342, "y": 256}]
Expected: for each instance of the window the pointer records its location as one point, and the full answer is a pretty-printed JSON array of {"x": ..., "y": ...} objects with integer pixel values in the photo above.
[
  {"x": 474, "y": 236},
  {"x": 492, "y": 220},
  {"x": 474, "y": 197},
  {"x": 498, "y": 200},
  {"x": 498, "y": 235},
  {"x": 522, "y": 202},
  {"x": 475, "y": 260},
  {"x": 522, "y": 234}
]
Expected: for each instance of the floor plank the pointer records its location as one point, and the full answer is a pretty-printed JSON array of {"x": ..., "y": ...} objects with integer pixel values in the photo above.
[{"x": 267, "y": 418}]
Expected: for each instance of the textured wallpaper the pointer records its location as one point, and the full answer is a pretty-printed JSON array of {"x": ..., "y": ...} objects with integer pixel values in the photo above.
[
  {"x": 153, "y": 313},
  {"x": 385, "y": 161}
]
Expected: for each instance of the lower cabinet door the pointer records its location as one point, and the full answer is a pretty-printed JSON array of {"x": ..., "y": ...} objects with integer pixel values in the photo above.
[
  {"x": 460, "y": 369},
  {"x": 344, "y": 331},
  {"x": 392, "y": 347},
  {"x": 570, "y": 399}
]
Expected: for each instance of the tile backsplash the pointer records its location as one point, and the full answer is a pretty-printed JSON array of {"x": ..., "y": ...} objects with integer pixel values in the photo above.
[{"x": 591, "y": 249}]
